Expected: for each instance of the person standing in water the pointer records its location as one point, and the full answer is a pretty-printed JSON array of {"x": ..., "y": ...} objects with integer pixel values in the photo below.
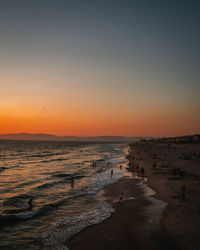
[
  {"x": 111, "y": 173},
  {"x": 30, "y": 203}
]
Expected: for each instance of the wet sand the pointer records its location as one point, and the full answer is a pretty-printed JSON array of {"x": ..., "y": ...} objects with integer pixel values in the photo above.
[
  {"x": 137, "y": 222},
  {"x": 181, "y": 217}
]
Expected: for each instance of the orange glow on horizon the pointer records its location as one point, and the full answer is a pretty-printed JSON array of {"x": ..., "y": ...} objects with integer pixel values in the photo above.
[
  {"x": 71, "y": 110},
  {"x": 94, "y": 125}
]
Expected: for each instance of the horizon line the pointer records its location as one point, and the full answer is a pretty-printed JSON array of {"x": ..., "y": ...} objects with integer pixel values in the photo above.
[{"x": 98, "y": 135}]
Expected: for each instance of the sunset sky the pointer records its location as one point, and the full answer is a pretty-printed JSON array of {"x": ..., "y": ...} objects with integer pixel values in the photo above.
[{"x": 85, "y": 68}]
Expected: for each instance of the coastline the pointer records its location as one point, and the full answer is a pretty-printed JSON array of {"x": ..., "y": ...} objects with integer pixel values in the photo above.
[
  {"x": 180, "y": 222},
  {"x": 128, "y": 226},
  {"x": 131, "y": 225}
]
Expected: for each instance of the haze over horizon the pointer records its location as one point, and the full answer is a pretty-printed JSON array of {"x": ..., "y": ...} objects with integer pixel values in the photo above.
[
  {"x": 96, "y": 68},
  {"x": 65, "y": 138}
]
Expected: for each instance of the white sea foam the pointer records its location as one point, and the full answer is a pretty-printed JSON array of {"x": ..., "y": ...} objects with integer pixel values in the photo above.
[
  {"x": 103, "y": 179},
  {"x": 54, "y": 237},
  {"x": 28, "y": 214}
]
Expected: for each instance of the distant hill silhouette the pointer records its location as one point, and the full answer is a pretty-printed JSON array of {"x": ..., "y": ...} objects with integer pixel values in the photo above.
[{"x": 49, "y": 137}]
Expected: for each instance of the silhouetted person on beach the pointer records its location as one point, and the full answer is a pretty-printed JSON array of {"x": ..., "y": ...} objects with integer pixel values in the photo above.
[
  {"x": 121, "y": 197},
  {"x": 111, "y": 173},
  {"x": 30, "y": 203},
  {"x": 142, "y": 170},
  {"x": 183, "y": 191}
]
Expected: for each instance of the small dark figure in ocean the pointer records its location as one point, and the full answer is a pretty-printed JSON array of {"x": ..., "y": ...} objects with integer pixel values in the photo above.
[
  {"x": 183, "y": 192},
  {"x": 30, "y": 203},
  {"x": 72, "y": 181},
  {"x": 120, "y": 167},
  {"x": 111, "y": 173},
  {"x": 121, "y": 197},
  {"x": 94, "y": 164}
]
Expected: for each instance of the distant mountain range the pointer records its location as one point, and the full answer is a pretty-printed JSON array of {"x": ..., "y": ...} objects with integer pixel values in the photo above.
[{"x": 49, "y": 137}]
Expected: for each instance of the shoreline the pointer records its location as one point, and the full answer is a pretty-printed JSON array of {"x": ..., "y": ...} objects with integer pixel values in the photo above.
[
  {"x": 138, "y": 215},
  {"x": 180, "y": 222},
  {"x": 129, "y": 226}
]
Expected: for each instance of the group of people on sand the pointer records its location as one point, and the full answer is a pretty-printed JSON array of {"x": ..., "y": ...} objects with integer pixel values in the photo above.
[{"x": 177, "y": 172}]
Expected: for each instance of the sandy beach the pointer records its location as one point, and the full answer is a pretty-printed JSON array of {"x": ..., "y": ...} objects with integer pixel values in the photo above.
[{"x": 144, "y": 220}]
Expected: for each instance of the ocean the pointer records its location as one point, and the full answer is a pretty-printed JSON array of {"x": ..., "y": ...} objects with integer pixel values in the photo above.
[{"x": 64, "y": 186}]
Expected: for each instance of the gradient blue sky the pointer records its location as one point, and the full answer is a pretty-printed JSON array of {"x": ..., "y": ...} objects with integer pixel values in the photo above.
[{"x": 100, "y": 67}]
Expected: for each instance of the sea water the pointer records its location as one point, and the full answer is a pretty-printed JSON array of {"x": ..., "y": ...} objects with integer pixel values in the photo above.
[{"x": 43, "y": 171}]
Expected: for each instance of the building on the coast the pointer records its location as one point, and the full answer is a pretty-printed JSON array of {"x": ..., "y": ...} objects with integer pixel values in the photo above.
[{"x": 180, "y": 139}]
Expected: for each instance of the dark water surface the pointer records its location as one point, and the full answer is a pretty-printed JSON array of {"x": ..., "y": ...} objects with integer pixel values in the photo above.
[{"x": 43, "y": 171}]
